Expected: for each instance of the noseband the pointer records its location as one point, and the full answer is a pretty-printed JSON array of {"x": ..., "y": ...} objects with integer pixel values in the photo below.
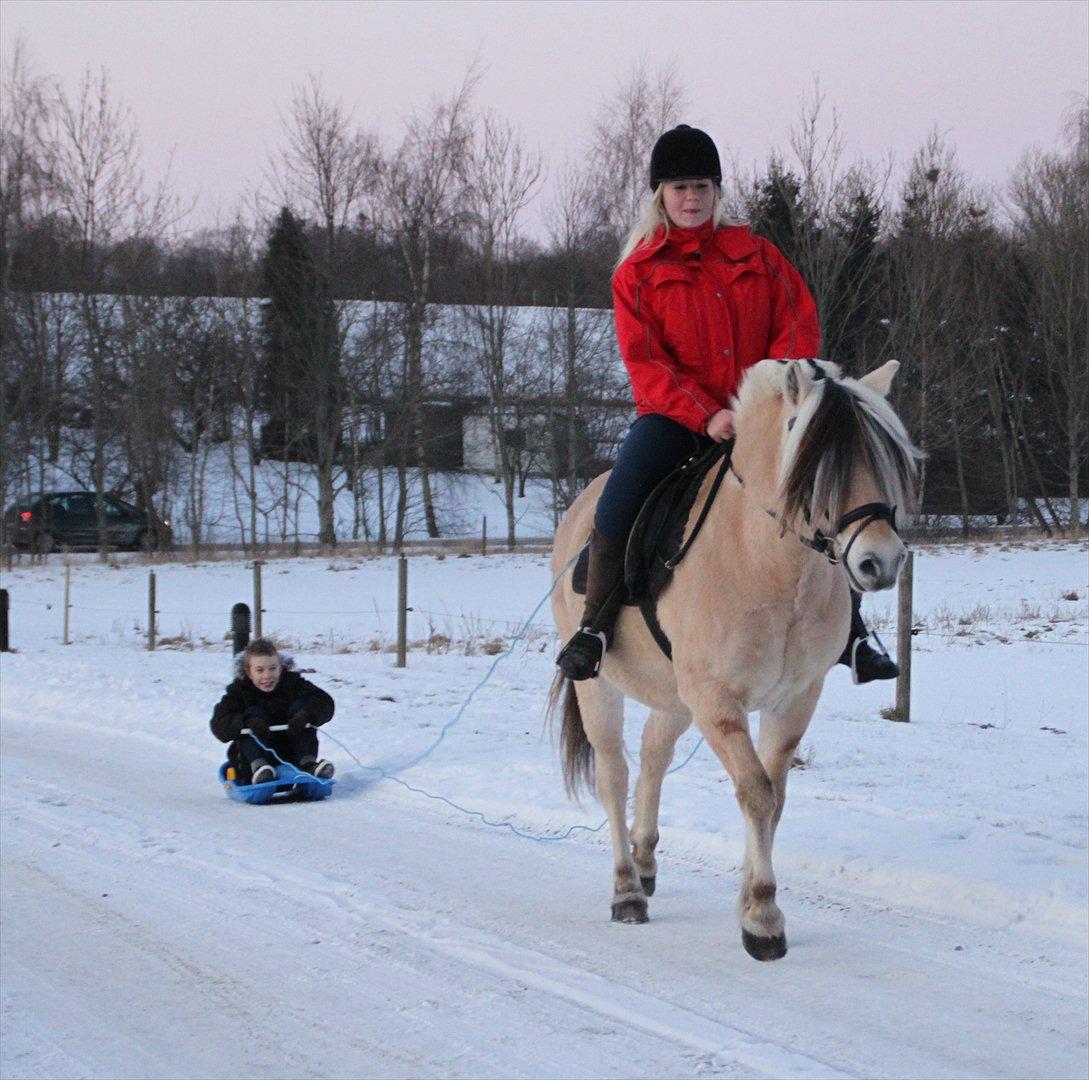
[{"x": 866, "y": 514}]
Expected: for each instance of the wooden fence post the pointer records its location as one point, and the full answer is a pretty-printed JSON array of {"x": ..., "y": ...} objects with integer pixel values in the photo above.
[
  {"x": 906, "y": 618},
  {"x": 484, "y": 536},
  {"x": 258, "y": 610},
  {"x": 67, "y": 598},
  {"x": 402, "y": 611},
  {"x": 151, "y": 611},
  {"x": 5, "y": 604}
]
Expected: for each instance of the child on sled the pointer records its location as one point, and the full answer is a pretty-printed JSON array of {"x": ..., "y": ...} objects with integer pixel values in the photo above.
[{"x": 267, "y": 693}]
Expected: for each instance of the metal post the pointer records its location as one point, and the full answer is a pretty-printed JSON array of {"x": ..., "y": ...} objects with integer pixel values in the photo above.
[
  {"x": 402, "y": 611},
  {"x": 151, "y": 611},
  {"x": 67, "y": 599},
  {"x": 905, "y": 619},
  {"x": 258, "y": 610},
  {"x": 240, "y": 628},
  {"x": 484, "y": 537},
  {"x": 5, "y": 603}
]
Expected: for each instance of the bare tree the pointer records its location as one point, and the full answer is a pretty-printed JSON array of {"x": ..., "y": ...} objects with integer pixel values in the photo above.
[
  {"x": 327, "y": 168},
  {"x": 1050, "y": 195},
  {"x": 503, "y": 179},
  {"x": 625, "y": 131},
  {"x": 28, "y": 405},
  {"x": 24, "y": 109},
  {"x": 97, "y": 188},
  {"x": 922, "y": 300},
  {"x": 369, "y": 350},
  {"x": 581, "y": 338},
  {"x": 421, "y": 200}
]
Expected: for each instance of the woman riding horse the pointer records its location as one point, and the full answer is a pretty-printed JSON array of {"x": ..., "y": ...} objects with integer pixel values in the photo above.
[{"x": 698, "y": 301}]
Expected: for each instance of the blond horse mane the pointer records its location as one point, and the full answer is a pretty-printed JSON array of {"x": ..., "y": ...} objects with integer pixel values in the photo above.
[{"x": 839, "y": 421}]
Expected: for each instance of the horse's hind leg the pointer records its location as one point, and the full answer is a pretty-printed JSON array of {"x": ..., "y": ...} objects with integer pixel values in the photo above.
[
  {"x": 602, "y": 708},
  {"x": 659, "y": 740}
]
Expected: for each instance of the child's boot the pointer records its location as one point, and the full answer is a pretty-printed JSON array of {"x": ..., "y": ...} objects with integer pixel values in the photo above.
[
  {"x": 263, "y": 772},
  {"x": 322, "y": 769}
]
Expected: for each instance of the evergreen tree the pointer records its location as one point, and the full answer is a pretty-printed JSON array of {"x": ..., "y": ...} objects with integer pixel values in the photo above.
[
  {"x": 300, "y": 381},
  {"x": 775, "y": 209},
  {"x": 849, "y": 319}
]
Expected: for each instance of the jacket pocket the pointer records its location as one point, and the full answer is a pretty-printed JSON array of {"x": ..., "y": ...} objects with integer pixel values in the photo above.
[{"x": 678, "y": 308}]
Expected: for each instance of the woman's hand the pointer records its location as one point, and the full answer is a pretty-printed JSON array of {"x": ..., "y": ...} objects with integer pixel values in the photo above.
[{"x": 721, "y": 426}]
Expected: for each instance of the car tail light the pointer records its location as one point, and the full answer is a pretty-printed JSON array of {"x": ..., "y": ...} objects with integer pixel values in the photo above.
[{"x": 26, "y": 515}]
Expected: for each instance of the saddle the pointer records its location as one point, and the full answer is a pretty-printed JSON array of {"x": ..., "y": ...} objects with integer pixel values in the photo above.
[{"x": 656, "y": 544}]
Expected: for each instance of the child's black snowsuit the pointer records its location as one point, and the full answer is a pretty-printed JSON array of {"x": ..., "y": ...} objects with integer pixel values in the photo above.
[{"x": 243, "y": 703}]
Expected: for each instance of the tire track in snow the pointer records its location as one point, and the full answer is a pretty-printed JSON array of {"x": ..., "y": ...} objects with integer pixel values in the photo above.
[
  {"x": 722, "y": 1045},
  {"x": 138, "y": 810}
]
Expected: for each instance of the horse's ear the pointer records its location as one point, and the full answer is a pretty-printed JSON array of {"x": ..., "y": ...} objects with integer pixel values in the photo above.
[
  {"x": 880, "y": 379},
  {"x": 798, "y": 379}
]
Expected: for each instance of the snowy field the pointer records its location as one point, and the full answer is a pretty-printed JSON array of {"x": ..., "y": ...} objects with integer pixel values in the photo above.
[{"x": 933, "y": 875}]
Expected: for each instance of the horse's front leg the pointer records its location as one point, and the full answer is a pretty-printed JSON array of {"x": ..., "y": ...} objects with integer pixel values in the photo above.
[
  {"x": 659, "y": 741},
  {"x": 781, "y": 731},
  {"x": 725, "y": 726},
  {"x": 603, "y": 720}
]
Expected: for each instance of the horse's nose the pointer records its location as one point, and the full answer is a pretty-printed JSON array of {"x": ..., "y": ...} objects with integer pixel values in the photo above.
[{"x": 876, "y": 571}]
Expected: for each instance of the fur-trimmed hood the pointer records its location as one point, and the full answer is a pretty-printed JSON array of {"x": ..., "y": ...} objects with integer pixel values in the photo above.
[{"x": 287, "y": 662}]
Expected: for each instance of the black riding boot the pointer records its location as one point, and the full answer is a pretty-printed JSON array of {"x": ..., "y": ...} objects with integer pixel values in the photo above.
[
  {"x": 866, "y": 662},
  {"x": 581, "y": 657}
]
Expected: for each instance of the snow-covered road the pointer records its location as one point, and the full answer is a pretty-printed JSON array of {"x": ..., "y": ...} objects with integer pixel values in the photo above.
[{"x": 932, "y": 876}]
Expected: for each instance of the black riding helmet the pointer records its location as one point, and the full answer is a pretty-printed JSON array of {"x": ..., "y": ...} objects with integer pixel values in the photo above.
[{"x": 684, "y": 153}]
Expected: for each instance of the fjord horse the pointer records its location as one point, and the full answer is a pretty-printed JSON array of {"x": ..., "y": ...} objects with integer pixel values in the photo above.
[{"x": 757, "y": 614}]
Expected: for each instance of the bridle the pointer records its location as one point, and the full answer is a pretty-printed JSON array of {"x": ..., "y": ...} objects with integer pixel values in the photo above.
[{"x": 825, "y": 543}]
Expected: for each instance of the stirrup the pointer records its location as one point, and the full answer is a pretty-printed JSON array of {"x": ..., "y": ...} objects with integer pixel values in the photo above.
[
  {"x": 573, "y": 651},
  {"x": 880, "y": 653}
]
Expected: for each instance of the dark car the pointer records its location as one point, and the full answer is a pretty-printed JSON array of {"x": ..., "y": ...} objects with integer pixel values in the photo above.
[{"x": 69, "y": 519}]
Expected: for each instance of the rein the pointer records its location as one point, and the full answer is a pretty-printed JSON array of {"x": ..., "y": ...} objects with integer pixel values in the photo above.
[{"x": 726, "y": 450}]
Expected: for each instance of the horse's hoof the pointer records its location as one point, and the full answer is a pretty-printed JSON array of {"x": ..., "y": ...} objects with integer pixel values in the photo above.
[
  {"x": 648, "y": 884},
  {"x": 764, "y": 948},
  {"x": 630, "y": 909}
]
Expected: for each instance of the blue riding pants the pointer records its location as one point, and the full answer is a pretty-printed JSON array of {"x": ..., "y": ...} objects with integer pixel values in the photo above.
[{"x": 652, "y": 449}]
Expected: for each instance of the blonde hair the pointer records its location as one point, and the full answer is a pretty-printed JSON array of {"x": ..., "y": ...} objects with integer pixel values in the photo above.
[{"x": 655, "y": 215}]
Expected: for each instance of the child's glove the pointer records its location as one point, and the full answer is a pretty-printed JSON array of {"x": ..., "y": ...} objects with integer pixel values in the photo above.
[
  {"x": 257, "y": 721},
  {"x": 298, "y": 721}
]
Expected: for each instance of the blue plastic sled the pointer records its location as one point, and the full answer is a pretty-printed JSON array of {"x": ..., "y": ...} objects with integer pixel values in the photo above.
[{"x": 290, "y": 785}]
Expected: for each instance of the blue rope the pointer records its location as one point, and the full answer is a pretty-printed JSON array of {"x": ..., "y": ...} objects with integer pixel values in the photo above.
[
  {"x": 385, "y": 774},
  {"x": 522, "y": 630},
  {"x": 296, "y": 772}
]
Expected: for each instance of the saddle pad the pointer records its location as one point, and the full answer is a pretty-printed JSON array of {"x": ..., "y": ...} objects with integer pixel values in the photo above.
[{"x": 658, "y": 533}]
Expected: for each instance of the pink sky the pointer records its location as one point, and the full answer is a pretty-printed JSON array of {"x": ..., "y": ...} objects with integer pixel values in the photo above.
[{"x": 205, "y": 77}]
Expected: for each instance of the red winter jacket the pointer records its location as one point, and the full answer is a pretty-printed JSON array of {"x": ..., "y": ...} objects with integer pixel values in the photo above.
[{"x": 696, "y": 307}]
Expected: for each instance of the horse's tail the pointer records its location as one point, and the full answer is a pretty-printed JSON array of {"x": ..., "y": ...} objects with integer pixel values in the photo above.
[{"x": 578, "y": 754}]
